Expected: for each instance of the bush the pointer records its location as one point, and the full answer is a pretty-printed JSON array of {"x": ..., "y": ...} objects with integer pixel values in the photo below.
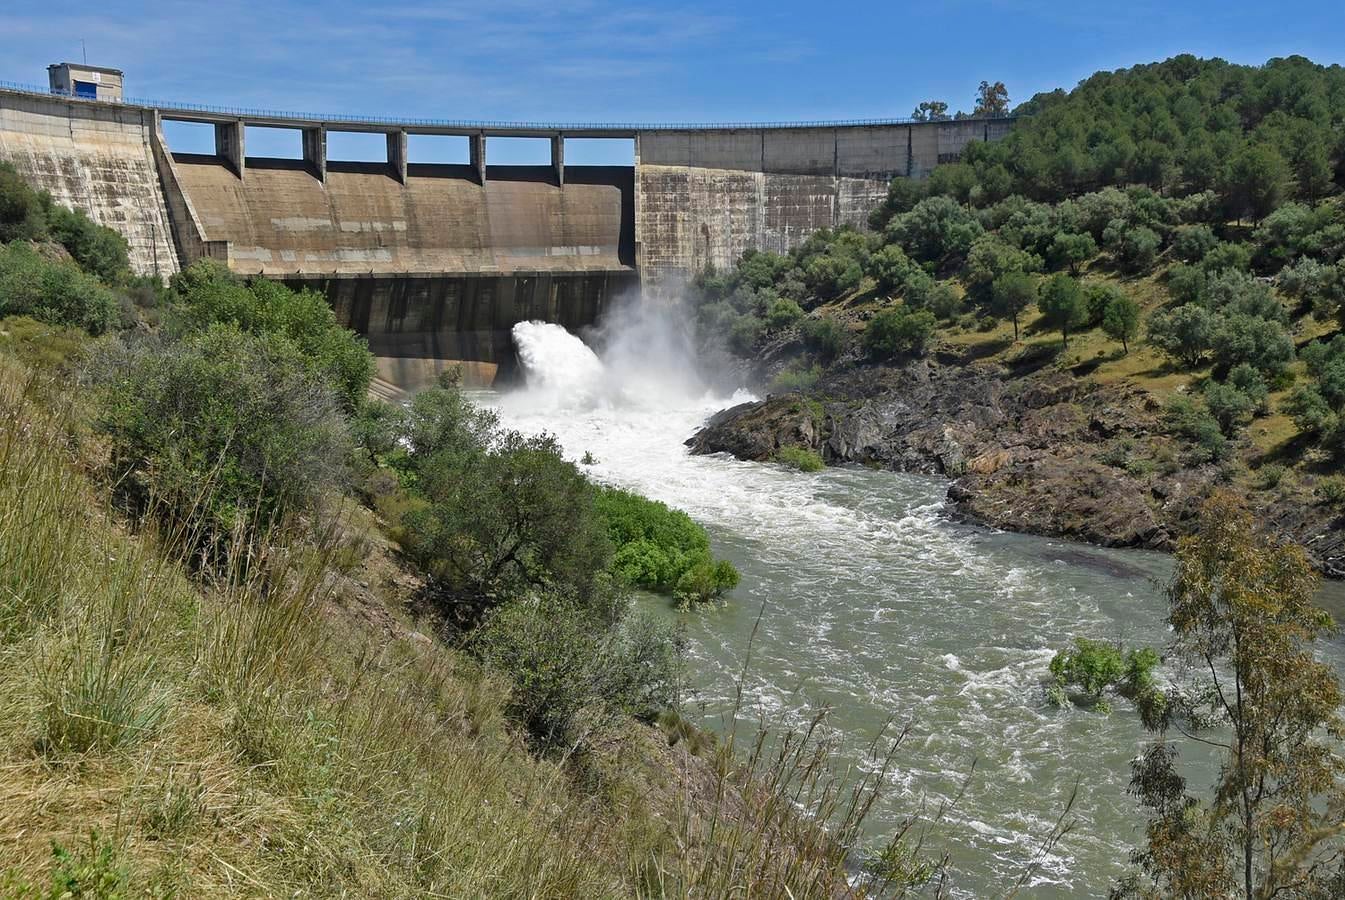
[
  {"x": 1135, "y": 247},
  {"x": 1262, "y": 344},
  {"x": 936, "y": 229},
  {"x": 824, "y": 336},
  {"x": 1332, "y": 490},
  {"x": 571, "y": 671},
  {"x": 655, "y": 544},
  {"x": 783, "y": 314},
  {"x": 221, "y": 430},
  {"x": 890, "y": 267},
  {"x": 796, "y": 379},
  {"x": 1098, "y": 666},
  {"x": 706, "y": 581},
  {"x": 1231, "y": 408},
  {"x": 1191, "y": 421},
  {"x": 829, "y": 275},
  {"x": 1310, "y": 411},
  {"x": 54, "y": 292},
  {"x": 898, "y": 330},
  {"x": 99, "y": 251},
  {"x": 1193, "y": 242},
  {"x": 23, "y": 214},
  {"x": 944, "y": 301},
  {"x": 1068, "y": 250},
  {"x": 1186, "y": 333},
  {"x": 745, "y": 334},
  {"x": 209, "y": 293},
  {"x": 800, "y": 458}
]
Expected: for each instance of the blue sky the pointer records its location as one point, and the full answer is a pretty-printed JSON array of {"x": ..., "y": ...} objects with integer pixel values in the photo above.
[{"x": 631, "y": 61}]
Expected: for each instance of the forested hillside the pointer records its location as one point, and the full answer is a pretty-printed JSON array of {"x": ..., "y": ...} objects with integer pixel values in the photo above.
[{"x": 1175, "y": 228}]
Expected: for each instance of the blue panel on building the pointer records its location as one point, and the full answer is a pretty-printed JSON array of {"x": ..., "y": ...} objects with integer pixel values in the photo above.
[{"x": 86, "y": 89}]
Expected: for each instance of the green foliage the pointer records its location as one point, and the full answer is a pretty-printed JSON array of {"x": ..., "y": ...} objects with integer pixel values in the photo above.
[
  {"x": 1332, "y": 491},
  {"x": 1071, "y": 249},
  {"x": 824, "y": 336},
  {"x": 1262, "y": 344},
  {"x": 1194, "y": 423},
  {"x": 1012, "y": 292},
  {"x": 1192, "y": 242},
  {"x": 1245, "y": 623},
  {"x": 745, "y": 334},
  {"x": 209, "y": 293},
  {"x": 655, "y": 544},
  {"x": 54, "y": 292},
  {"x": 1095, "y": 667},
  {"x": 572, "y": 672},
  {"x": 1135, "y": 247},
  {"x": 99, "y": 251},
  {"x": 937, "y": 230},
  {"x": 221, "y": 430},
  {"x": 1310, "y": 411},
  {"x": 944, "y": 301},
  {"x": 41, "y": 346},
  {"x": 784, "y": 313},
  {"x": 898, "y": 330},
  {"x": 1255, "y": 181},
  {"x": 1186, "y": 333},
  {"x": 706, "y": 582},
  {"x": 23, "y": 211},
  {"x": 1231, "y": 408},
  {"x": 801, "y": 458},
  {"x": 1121, "y": 319},
  {"x": 890, "y": 267},
  {"x": 796, "y": 378},
  {"x": 1062, "y": 304}
]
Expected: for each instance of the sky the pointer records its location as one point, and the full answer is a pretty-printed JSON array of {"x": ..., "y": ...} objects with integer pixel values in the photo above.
[{"x": 633, "y": 61}]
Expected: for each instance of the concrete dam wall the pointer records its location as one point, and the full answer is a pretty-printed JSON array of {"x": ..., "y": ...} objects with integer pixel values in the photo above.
[
  {"x": 436, "y": 263},
  {"x": 705, "y": 196}
]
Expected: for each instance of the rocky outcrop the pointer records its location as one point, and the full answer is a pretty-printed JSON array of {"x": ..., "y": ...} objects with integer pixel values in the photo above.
[{"x": 1046, "y": 453}]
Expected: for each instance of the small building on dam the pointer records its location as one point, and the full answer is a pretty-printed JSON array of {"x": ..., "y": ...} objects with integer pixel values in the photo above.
[{"x": 435, "y": 262}]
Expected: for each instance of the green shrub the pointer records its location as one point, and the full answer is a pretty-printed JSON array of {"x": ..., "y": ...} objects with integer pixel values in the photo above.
[
  {"x": 1332, "y": 490},
  {"x": 944, "y": 301},
  {"x": 796, "y": 379},
  {"x": 221, "y": 429},
  {"x": 1270, "y": 475},
  {"x": 655, "y": 544},
  {"x": 1098, "y": 666},
  {"x": 828, "y": 275},
  {"x": 209, "y": 294},
  {"x": 99, "y": 251},
  {"x": 783, "y": 314},
  {"x": 1231, "y": 408},
  {"x": 1186, "y": 333},
  {"x": 1310, "y": 411},
  {"x": 23, "y": 215},
  {"x": 572, "y": 671},
  {"x": 898, "y": 330},
  {"x": 54, "y": 292},
  {"x": 800, "y": 458},
  {"x": 1193, "y": 242},
  {"x": 745, "y": 333},
  {"x": 1192, "y": 422},
  {"x": 706, "y": 581},
  {"x": 824, "y": 336}
]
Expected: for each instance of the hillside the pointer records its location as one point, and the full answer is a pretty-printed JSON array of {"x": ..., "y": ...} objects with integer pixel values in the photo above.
[{"x": 1160, "y": 250}]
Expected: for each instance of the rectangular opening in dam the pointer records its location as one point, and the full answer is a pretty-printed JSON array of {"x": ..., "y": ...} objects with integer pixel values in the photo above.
[
  {"x": 438, "y": 149},
  {"x": 516, "y": 151},
  {"x": 265, "y": 142},
  {"x": 357, "y": 146},
  {"x": 600, "y": 151},
  {"x": 196, "y": 138}
]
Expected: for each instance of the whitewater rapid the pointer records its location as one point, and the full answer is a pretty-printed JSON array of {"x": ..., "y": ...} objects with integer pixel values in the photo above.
[{"x": 875, "y": 605}]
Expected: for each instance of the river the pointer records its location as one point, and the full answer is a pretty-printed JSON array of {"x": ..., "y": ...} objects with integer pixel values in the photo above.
[{"x": 873, "y": 603}]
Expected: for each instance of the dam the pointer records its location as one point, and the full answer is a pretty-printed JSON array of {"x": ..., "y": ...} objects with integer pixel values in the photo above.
[{"x": 434, "y": 262}]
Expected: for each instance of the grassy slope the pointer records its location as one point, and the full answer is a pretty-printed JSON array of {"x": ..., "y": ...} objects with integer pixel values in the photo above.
[
  {"x": 296, "y": 732},
  {"x": 1092, "y": 354}
]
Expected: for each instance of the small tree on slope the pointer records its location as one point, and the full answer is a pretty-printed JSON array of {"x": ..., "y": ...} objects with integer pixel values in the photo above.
[{"x": 1244, "y": 622}]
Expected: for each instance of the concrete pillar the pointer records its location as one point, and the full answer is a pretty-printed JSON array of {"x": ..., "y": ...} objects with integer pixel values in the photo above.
[
  {"x": 315, "y": 151},
  {"x": 397, "y": 155},
  {"x": 558, "y": 158},
  {"x": 229, "y": 144},
  {"x": 478, "y": 153}
]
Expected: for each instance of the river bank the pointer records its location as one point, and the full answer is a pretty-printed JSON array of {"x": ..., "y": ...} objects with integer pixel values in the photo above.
[{"x": 1045, "y": 453}]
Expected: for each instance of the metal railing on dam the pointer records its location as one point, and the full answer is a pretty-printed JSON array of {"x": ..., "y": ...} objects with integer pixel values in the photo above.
[{"x": 205, "y": 112}]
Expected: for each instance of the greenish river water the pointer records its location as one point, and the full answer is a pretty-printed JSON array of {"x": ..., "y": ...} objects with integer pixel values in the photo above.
[{"x": 873, "y": 603}]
